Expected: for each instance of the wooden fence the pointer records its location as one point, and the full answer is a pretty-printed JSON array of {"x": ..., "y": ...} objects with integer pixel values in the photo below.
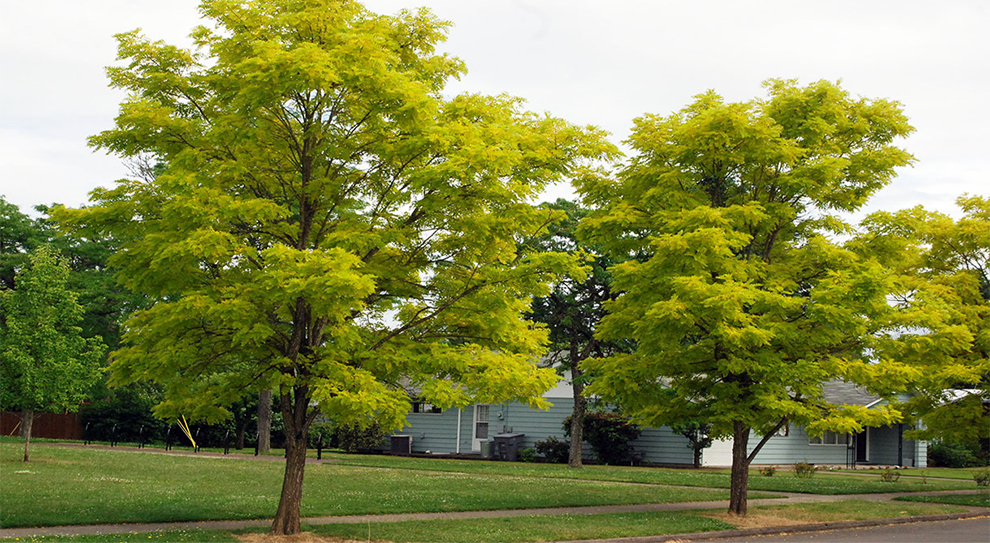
[{"x": 48, "y": 425}]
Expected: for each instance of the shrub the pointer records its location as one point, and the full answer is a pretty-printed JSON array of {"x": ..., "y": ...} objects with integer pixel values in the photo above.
[
  {"x": 356, "y": 438},
  {"x": 951, "y": 454},
  {"x": 804, "y": 470},
  {"x": 527, "y": 454},
  {"x": 768, "y": 471},
  {"x": 890, "y": 475},
  {"x": 554, "y": 450},
  {"x": 982, "y": 477},
  {"x": 609, "y": 435}
]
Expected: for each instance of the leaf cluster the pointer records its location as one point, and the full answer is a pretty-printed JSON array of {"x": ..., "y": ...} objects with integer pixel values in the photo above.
[{"x": 323, "y": 220}]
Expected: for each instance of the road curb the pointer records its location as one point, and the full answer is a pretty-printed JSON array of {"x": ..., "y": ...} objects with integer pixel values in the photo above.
[{"x": 781, "y": 530}]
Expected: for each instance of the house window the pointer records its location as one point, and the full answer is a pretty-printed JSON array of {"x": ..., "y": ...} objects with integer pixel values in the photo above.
[
  {"x": 424, "y": 407},
  {"x": 830, "y": 438},
  {"x": 783, "y": 431}
]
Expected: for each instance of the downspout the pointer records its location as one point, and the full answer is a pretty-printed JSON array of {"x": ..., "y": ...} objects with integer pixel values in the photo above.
[{"x": 457, "y": 447}]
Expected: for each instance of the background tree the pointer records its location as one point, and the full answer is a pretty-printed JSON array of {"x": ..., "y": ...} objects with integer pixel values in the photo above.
[
  {"x": 941, "y": 331},
  {"x": 264, "y": 420},
  {"x": 45, "y": 363},
  {"x": 739, "y": 302},
  {"x": 18, "y": 236},
  {"x": 326, "y": 223},
  {"x": 571, "y": 312},
  {"x": 105, "y": 303}
]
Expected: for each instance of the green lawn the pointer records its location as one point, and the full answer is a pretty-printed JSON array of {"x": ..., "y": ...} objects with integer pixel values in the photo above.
[
  {"x": 783, "y": 481},
  {"x": 979, "y": 499},
  {"x": 941, "y": 473},
  {"x": 175, "y": 536},
  {"x": 90, "y": 486},
  {"x": 550, "y": 527}
]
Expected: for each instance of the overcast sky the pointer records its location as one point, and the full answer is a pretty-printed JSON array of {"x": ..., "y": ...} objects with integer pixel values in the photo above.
[{"x": 589, "y": 61}]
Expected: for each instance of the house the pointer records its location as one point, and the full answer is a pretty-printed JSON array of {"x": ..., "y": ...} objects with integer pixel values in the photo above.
[{"x": 466, "y": 432}]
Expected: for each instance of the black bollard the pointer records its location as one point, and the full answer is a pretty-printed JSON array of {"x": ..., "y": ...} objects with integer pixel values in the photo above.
[
  {"x": 226, "y": 442},
  {"x": 141, "y": 437},
  {"x": 196, "y": 446},
  {"x": 168, "y": 438},
  {"x": 256, "y": 443},
  {"x": 113, "y": 436},
  {"x": 319, "y": 448},
  {"x": 86, "y": 439}
]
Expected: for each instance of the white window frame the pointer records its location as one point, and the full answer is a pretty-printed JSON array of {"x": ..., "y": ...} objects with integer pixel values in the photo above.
[
  {"x": 424, "y": 408},
  {"x": 828, "y": 435}
]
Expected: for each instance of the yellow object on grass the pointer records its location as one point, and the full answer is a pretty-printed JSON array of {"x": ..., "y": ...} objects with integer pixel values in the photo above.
[{"x": 184, "y": 426}]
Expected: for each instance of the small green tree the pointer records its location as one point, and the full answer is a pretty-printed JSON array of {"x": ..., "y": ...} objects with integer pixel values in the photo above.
[
  {"x": 698, "y": 434},
  {"x": 45, "y": 363},
  {"x": 572, "y": 311}
]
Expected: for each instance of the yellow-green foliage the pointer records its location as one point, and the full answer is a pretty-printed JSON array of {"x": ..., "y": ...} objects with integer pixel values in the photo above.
[
  {"x": 941, "y": 330},
  {"x": 323, "y": 220},
  {"x": 741, "y": 302}
]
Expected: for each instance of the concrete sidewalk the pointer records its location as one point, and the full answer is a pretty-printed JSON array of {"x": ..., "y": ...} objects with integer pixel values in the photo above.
[{"x": 789, "y": 498}]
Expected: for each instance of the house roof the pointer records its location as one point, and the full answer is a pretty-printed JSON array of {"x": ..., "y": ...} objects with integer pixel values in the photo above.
[{"x": 841, "y": 392}]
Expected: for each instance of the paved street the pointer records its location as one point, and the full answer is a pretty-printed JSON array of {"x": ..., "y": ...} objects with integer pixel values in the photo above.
[{"x": 950, "y": 531}]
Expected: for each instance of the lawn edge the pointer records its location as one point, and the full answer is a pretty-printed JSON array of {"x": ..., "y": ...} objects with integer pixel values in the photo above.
[{"x": 781, "y": 530}]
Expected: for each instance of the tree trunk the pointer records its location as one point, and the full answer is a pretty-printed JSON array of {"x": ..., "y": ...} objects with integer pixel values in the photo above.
[
  {"x": 265, "y": 421},
  {"x": 296, "y": 419},
  {"x": 27, "y": 420},
  {"x": 287, "y": 518},
  {"x": 239, "y": 441},
  {"x": 697, "y": 457},
  {"x": 577, "y": 420},
  {"x": 740, "y": 470}
]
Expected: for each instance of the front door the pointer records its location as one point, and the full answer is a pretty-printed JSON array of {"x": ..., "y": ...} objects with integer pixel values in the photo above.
[
  {"x": 863, "y": 446},
  {"x": 480, "y": 432}
]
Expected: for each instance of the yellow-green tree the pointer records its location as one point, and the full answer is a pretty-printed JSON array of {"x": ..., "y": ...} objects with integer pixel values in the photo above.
[
  {"x": 739, "y": 301},
  {"x": 940, "y": 333},
  {"x": 325, "y": 222}
]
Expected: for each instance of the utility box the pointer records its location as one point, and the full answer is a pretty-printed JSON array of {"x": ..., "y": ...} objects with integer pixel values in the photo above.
[
  {"x": 401, "y": 444},
  {"x": 507, "y": 446}
]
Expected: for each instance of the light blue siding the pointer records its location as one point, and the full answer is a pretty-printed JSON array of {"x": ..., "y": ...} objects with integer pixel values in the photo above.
[
  {"x": 434, "y": 432},
  {"x": 883, "y": 448},
  {"x": 794, "y": 448},
  {"x": 663, "y": 446},
  {"x": 537, "y": 425},
  {"x": 437, "y": 433}
]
